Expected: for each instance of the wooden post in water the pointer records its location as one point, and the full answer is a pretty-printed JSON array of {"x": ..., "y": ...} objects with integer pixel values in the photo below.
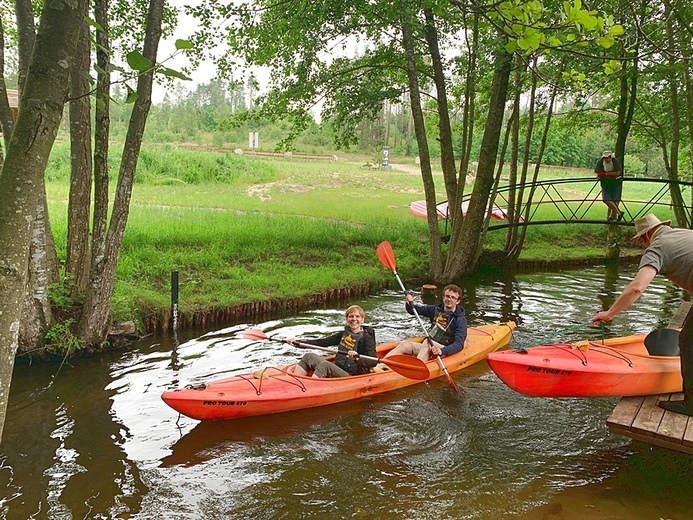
[
  {"x": 613, "y": 246},
  {"x": 428, "y": 294}
]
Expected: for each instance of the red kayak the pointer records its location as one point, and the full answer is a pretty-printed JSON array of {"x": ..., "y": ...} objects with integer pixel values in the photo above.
[
  {"x": 613, "y": 368},
  {"x": 278, "y": 389}
]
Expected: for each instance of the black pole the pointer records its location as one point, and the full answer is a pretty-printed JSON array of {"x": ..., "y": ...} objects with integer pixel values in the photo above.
[{"x": 174, "y": 300}]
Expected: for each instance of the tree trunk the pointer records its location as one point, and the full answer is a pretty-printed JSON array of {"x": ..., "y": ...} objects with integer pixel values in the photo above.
[
  {"x": 682, "y": 218},
  {"x": 79, "y": 204},
  {"x": 468, "y": 110},
  {"x": 537, "y": 166},
  {"x": 514, "y": 125},
  {"x": 688, "y": 84},
  {"x": 37, "y": 316},
  {"x": 436, "y": 267},
  {"x": 673, "y": 79},
  {"x": 465, "y": 244},
  {"x": 6, "y": 116},
  {"x": 447, "y": 155},
  {"x": 21, "y": 180},
  {"x": 101, "y": 133},
  {"x": 26, "y": 35},
  {"x": 96, "y": 313}
]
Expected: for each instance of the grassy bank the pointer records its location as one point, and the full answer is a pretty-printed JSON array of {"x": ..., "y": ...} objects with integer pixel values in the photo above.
[{"x": 278, "y": 228}]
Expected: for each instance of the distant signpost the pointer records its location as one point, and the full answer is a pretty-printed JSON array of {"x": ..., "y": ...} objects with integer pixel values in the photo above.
[
  {"x": 253, "y": 141},
  {"x": 386, "y": 158}
]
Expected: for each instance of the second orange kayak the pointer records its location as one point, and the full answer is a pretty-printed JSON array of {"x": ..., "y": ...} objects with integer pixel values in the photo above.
[{"x": 617, "y": 367}]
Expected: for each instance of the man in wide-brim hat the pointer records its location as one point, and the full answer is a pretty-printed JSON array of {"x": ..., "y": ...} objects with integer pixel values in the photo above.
[
  {"x": 669, "y": 252},
  {"x": 610, "y": 174}
]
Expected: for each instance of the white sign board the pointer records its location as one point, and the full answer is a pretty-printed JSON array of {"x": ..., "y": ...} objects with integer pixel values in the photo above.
[{"x": 253, "y": 140}]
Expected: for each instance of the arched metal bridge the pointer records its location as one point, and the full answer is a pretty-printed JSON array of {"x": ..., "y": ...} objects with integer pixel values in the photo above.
[{"x": 579, "y": 201}]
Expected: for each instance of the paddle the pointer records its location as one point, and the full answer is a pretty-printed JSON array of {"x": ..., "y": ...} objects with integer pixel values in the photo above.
[
  {"x": 387, "y": 257},
  {"x": 407, "y": 366}
]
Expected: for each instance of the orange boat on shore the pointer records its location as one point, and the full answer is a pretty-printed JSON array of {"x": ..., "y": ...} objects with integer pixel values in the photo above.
[{"x": 278, "y": 389}]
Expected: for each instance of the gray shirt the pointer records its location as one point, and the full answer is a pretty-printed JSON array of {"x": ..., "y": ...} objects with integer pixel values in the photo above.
[{"x": 671, "y": 254}]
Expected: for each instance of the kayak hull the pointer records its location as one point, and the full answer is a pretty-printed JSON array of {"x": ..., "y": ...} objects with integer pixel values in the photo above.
[
  {"x": 617, "y": 367},
  {"x": 278, "y": 389}
]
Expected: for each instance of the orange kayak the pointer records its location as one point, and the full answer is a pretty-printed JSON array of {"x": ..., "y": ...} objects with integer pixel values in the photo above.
[
  {"x": 617, "y": 367},
  {"x": 278, "y": 389}
]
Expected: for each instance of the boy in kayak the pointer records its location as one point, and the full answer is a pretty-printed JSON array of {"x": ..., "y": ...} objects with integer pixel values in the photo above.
[
  {"x": 355, "y": 340},
  {"x": 670, "y": 253},
  {"x": 448, "y": 327}
]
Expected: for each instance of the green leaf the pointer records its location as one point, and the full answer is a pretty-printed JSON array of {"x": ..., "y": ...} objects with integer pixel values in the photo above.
[
  {"x": 132, "y": 95},
  {"x": 138, "y": 62},
  {"x": 511, "y": 46},
  {"x": 616, "y": 30},
  {"x": 605, "y": 41},
  {"x": 184, "y": 44},
  {"x": 96, "y": 25},
  {"x": 612, "y": 66},
  {"x": 174, "y": 74}
]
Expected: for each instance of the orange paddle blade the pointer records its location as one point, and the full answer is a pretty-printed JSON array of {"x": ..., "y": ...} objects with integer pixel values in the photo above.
[
  {"x": 407, "y": 366},
  {"x": 256, "y": 334},
  {"x": 386, "y": 255}
]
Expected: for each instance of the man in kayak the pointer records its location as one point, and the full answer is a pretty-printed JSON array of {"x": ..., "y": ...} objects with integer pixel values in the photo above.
[
  {"x": 669, "y": 252},
  {"x": 448, "y": 329},
  {"x": 354, "y": 341}
]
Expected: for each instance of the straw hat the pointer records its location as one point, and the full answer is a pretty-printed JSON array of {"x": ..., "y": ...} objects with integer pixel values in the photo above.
[
  {"x": 647, "y": 223},
  {"x": 606, "y": 153}
]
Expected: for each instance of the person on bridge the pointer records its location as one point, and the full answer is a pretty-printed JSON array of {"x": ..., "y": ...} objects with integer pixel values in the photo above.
[
  {"x": 448, "y": 327},
  {"x": 669, "y": 252},
  {"x": 610, "y": 174}
]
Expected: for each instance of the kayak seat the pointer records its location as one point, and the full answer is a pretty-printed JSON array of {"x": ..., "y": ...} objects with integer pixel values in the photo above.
[{"x": 663, "y": 342}]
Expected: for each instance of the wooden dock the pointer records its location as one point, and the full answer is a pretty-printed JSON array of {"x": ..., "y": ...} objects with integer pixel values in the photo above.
[{"x": 642, "y": 419}]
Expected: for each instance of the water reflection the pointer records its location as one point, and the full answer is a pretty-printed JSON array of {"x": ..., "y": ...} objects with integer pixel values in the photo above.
[{"x": 100, "y": 443}]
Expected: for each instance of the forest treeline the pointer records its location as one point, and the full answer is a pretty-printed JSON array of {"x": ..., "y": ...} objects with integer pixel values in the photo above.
[{"x": 207, "y": 114}]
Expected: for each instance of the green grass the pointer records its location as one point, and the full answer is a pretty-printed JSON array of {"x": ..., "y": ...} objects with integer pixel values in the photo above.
[{"x": 242, "y": 230}]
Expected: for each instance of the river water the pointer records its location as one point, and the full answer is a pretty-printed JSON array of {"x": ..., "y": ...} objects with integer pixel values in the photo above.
[{"x": 92, "y": 438}]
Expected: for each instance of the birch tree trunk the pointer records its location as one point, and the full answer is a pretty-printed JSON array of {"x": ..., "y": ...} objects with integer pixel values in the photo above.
[
  {"x": 6, "y": 116},
  {"x": 96, "y": 313},
  {"x": 465, "y": 243},
  {"x": 436, "y": 266},
  {"x": 37, "y": 316},
  {"x": 447, "y": 155},
  {"x": 79, "y": 203},
  {"x": 21, "y": 179}
]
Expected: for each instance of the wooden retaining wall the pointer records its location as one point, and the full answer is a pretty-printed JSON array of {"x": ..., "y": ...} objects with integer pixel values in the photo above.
[{"x": 254, "y": 311}]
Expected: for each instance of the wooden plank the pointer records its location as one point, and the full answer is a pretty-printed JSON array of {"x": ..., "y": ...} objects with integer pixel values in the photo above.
[
  {"x": 649, "y": 416},
  {"x": 680, "y": 315},
  {"x": 625, "y": 411},
  {"x": 688, "y": 436},
  {"x": 655, "y": 441},
  {"x": 673, "y": 425}
]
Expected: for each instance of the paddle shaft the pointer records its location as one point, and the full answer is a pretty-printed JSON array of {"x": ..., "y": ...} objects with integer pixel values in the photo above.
[{"x": 416, "y": 370}]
